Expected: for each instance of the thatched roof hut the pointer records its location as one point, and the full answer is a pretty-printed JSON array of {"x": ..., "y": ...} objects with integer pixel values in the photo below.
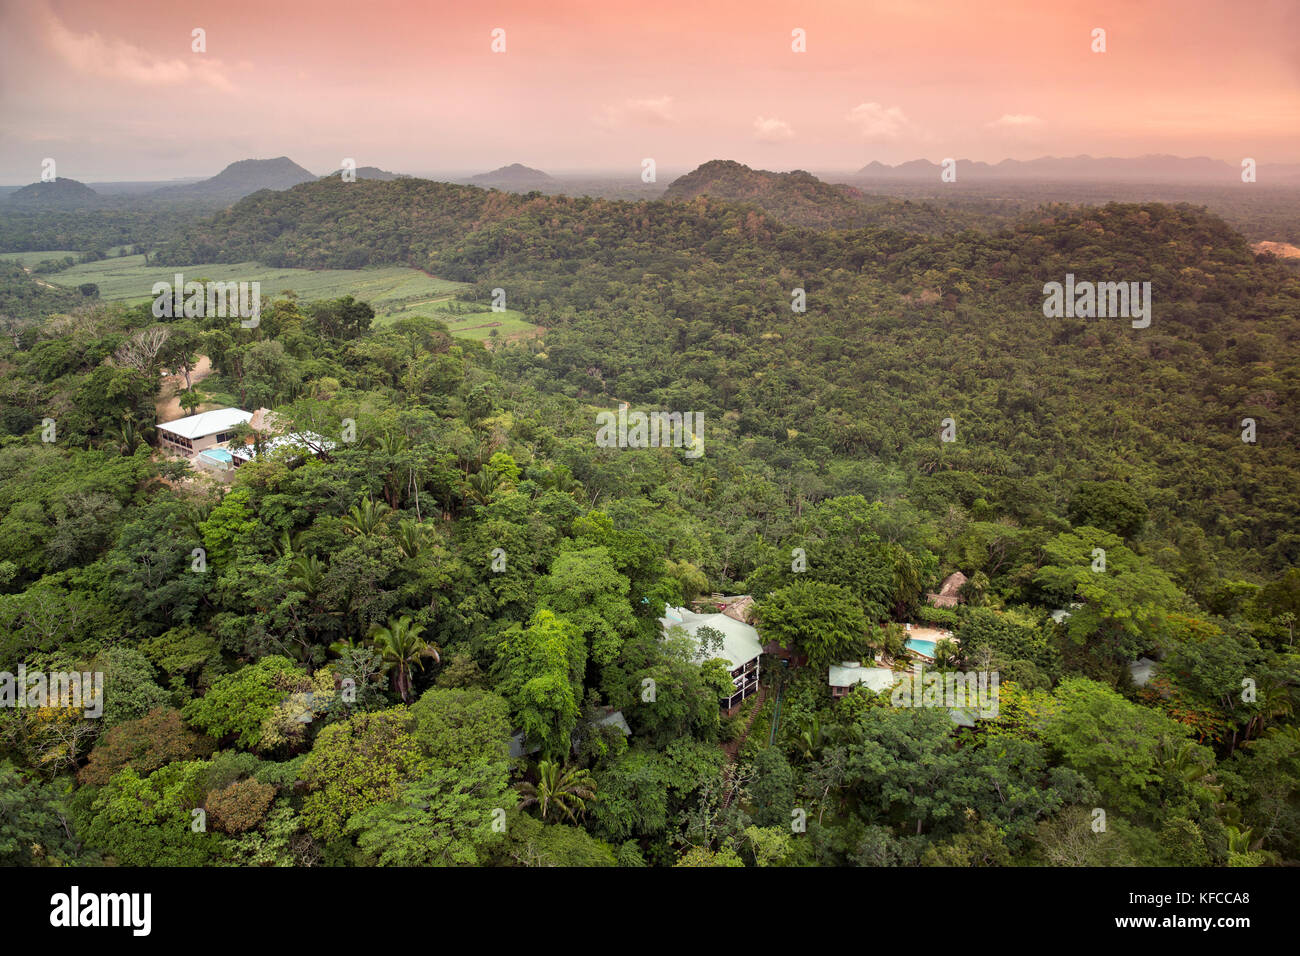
[{"x": 948, "y": 595}]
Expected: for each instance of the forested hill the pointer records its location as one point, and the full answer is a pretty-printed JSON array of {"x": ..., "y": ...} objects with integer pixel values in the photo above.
[
  {"x": 516, "y": 176},
  {"x": 801, "y": 199},
  {"x": 329, "y": 223},
  {"x": 241, "y": 179},
  {"x": 688, "y": 304},
  {"x": 60, "y": 192},
  {"x": 318, "y": 225},
  {"x": 798, "y": 198}
]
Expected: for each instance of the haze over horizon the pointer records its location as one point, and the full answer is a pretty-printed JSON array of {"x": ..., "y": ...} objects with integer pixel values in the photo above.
[{"x": 119, "y": 95}]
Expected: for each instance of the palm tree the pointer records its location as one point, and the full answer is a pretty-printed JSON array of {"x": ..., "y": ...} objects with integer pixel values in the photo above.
[
  {"x": 195, "y": 514},
  {"x": 338, "y": 648},
  {"x": 561, "y": 479},
  {"x": 126, "y": 435},
  {"x": 393, "y": 446},
  {"x": 287, "y": 544},
  {"x": 560, "y": 789},
  {"x": 1184, "y": 759},
  {"x": 906, "y": 583},
  {"x": 946, "y": 653},
  {"x": 365, "y": 518},
  {"x": 1238, "y": 840},
  {"x": 401, "y": 646},
  {"x": 891, "y": 641},
  {"x": 810, "y": 739},
  {"x": 975, "y": 590},
  {"x": 482, "y": 485},
  {"x": 1287, "y": 620},
  {"x": 308, "y": 573},
  {"x": 412, "y": 538}
]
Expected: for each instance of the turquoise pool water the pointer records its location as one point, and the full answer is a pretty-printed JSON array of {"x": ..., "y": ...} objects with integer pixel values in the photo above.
[
  {"x": 920, "y": 646},
  {"x": 218, "y": 454}
]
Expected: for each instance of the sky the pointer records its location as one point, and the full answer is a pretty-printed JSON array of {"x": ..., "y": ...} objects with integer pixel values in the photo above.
[{"x": 117, "y": 92}]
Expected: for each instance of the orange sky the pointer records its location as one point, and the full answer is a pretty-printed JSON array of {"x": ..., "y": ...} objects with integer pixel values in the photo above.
[{"x": 113, "y": 91}]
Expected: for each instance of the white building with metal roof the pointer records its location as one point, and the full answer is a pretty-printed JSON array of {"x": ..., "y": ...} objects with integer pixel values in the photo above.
[
  {"x": 194, "y": 433},
  {"x": 740, "y": 648},
  {"x": 844, "y": 677}
]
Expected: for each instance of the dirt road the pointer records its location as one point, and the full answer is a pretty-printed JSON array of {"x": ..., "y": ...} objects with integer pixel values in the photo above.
[{"x": 168, "y": 406}]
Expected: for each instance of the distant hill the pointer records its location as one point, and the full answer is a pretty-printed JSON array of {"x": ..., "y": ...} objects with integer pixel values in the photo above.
[
  {"x": 242, "y": 179},
  {"x": 797, "y": 197},
  {"x": 368, "y": 172},
  {"x": 403, "y": 221},
  {"x": 435, "y": 225},
  {"x": 61, "y": 192},
  {"x": 515, "y": 177},
  {"x": 1140, "y": 169}
]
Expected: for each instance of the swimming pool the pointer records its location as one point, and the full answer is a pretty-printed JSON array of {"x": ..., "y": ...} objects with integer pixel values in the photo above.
[
  {"x": 921, "y": 646},
  {"x": 218, "y": 454}
]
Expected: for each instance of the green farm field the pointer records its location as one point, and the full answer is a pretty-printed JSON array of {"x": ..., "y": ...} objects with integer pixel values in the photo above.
[
  {"x": 392, "y": 291},
  {"x": 29, "y": 259}
]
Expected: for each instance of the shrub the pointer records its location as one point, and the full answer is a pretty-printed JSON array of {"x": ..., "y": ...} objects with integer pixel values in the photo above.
[
  {"x": 145, "y": 744},
  {"x": 241, "y": 806}
]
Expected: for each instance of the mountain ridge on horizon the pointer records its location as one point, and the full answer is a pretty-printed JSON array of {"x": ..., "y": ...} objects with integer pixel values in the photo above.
[
  {"x": 1084, "y": 166},
  {"x": 61, "y": 191},
  {"x": 241, "y": 178},
  {"x": 1150, "y": 167},
  {"x": 515, "y": 175}
]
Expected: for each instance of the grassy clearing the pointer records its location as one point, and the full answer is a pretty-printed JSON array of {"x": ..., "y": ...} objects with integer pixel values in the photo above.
[
  {"x": 392, "y": 291},
  {"x": 29, "y": 259},
  {"x": 481, "y": 325},
  {"x": 466, "y": 319}
]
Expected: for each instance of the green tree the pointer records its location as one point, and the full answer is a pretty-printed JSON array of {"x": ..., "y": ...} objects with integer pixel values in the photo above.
[
  {"x": 1113, "y": 506},
  {"x": 1263, "y": 779},
  {"x": 823, "y": 620},
  {"x": 703, "y": 856},
  {"x": 584, "y": 587},
  {"x": 1114, "y": 743},
  {"x": 563, "y": 791},
  {"x": 446, "y": 817},
  {"x": 357, "y": 764},
  {"x": 539, "y": 667},
  {"x": 149, "y": 821},
  {"x": 401, "y": 647},
  {"x": 1125, "y": 606},
  {"x": 462, "y": 727},
  {"x": 239, "y": 705},
  {"x": 34, "y": 823},
  {"x": 772, "y": 791}
]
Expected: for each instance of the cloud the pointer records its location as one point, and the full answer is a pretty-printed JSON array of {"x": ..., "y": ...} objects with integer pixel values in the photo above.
[
  {"x": 1014, "y": 121},
  {"x": 657, "y": 111},
  {"x": 115, "y": 59},
  {"x": 877, "y": 122},
  {"x": 772, "y": 130}
]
